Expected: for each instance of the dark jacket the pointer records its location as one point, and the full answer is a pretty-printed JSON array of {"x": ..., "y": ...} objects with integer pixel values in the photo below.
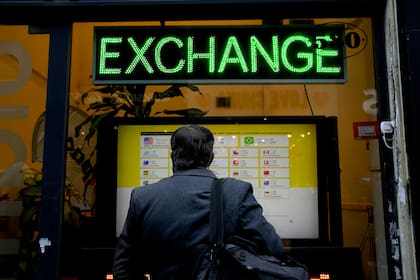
[{"x": 169, "y": 219}]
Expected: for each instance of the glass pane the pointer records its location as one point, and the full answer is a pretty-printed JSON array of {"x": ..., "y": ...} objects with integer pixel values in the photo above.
[{"x": 23, "y": 82}]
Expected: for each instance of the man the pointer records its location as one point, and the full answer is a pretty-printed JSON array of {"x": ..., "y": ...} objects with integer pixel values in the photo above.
[{"x": 167, "y": 221}]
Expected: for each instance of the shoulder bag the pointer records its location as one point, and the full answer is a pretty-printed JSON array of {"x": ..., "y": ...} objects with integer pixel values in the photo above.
[{"x": 240, "y": 258}]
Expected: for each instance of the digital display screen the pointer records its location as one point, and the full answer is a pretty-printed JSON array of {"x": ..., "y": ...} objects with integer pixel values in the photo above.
[
  {"x": 291, "y": 162},
  {"x": 222, "y": 54},
  {"x": 271, "y": 157}
]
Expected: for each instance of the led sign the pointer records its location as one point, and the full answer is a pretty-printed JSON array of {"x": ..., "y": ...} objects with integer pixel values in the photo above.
[{"x": 161, "y": 55}]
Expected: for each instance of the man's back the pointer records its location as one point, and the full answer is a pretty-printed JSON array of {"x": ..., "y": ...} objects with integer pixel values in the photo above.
[{"x": 172, "y": 221}]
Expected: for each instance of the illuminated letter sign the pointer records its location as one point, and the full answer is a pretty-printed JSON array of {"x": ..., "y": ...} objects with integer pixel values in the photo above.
[{"x": 251, "y": 54}]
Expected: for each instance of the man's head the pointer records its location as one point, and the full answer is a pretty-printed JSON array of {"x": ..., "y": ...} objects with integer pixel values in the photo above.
[{"x": 192, "y": 147}]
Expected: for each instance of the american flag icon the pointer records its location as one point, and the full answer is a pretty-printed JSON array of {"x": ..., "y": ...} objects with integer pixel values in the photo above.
[{"x": 148, "y": 140}]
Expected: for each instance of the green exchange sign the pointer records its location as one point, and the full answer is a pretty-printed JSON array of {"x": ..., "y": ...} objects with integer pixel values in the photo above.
[{"x": 228, "y": 54}]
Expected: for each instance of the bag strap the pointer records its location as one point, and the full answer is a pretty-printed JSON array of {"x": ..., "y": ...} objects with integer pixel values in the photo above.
[
  {"x": 202, "y": 268},
  {"x": 216, "y": 216}
]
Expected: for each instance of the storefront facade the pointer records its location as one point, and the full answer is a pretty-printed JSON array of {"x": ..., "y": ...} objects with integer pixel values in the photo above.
[{"x": 48, "y": 91}]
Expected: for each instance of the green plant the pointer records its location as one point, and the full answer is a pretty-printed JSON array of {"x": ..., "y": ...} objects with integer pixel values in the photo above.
[{"x": 131, "y": 101}]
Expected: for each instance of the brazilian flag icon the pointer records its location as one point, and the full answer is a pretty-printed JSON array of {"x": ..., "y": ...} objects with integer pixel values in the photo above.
[{"x": 249, "y": 140}]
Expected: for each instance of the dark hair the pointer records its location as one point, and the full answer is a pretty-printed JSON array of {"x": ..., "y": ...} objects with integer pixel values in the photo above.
[{"x": 192, "y": 147}]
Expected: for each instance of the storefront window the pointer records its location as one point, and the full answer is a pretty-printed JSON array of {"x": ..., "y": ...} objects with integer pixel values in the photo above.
[
  {"x": 23, "y": 76},
  {"x": 24, "y": 67}
]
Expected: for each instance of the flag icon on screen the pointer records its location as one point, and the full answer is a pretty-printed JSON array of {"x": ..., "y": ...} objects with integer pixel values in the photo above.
[
  {"x": 146, "y": 162},
  {"x": 146, "y": 172},
  {"x": 235, "y": 173},
  {"x": 148, "y": 140},
  {"x": 266, "y": 172},
  {"x": 235, "y": 152},
  {"x": 249, "y": 140}
]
